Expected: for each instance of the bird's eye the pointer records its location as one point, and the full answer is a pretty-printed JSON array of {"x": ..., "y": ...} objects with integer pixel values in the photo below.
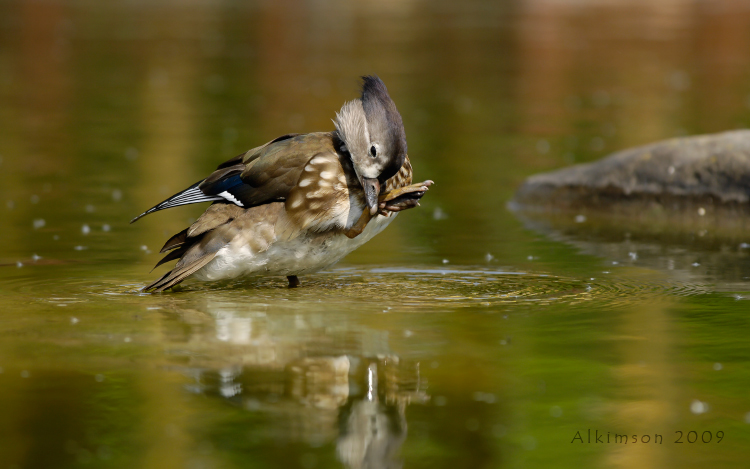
[{"x": 373, "y": 151}]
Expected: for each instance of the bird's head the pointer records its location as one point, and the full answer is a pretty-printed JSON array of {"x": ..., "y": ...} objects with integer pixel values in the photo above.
[{"x": 372, "y": 132}]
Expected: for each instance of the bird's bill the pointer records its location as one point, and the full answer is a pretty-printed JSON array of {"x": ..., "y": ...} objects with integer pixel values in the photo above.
[{"x": 371, "y": 187}]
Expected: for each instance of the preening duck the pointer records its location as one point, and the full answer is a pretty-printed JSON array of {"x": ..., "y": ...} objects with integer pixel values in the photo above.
[{"x": 299, "y": 203}]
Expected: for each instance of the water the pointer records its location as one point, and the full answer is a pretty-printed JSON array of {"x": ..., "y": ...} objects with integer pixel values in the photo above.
[{"x": 465, "y": 335}]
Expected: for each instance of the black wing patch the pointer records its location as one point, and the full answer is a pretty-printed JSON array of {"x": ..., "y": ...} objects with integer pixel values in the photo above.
[{"x": 227, "y": 184}]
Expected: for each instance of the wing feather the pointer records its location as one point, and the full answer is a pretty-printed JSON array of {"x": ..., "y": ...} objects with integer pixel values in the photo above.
[
  {"x": 259, "y": 176},
  {"x": 191, "y": 195}
]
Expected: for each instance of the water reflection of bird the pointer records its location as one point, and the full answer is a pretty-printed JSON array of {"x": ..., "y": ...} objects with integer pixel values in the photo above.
[
  {"x": 299, "y": 203},
  {"x": 371, "y": 432}
]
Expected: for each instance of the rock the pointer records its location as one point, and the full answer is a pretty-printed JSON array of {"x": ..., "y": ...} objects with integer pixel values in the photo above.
[
  {"x": 681, "y": 206},
  {"x": 700, "y": 176}
]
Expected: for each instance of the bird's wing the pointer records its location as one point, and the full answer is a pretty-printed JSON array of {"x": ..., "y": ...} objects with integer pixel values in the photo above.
[
  {"x": 261, "y": 175},
  {"x": 268, "y": 173}
]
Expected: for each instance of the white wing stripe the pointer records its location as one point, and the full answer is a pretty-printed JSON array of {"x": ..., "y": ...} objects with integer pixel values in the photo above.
[{"x": 231, "y": 198}]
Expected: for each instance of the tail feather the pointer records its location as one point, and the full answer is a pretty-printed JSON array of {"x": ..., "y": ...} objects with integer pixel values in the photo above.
[
  {"x": 191, "y": 195},
  {"x": 176, "y": 254},
  {"x": 175, "y": 241},
  {"x": 178, "y": 274}
]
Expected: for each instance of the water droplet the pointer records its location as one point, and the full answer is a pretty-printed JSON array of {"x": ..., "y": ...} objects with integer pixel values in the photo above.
[
  {"x": 85, "y": 229},
  {"x": 701, "y": 211},
  {"x": 117, "y": 195},
  {"x": 106, "y": 227},
  {"x": 698, "y": 407},
  {"x": 39, "y": 223},
  {"x": 74, "y": 320},
  {"x": 718, "y": 366},
  {"x": 19, "y": 264},
  {"x": 542, "y": 146},
  {"x": 488, "y": 257},
  {"x": 439, "y": 214},
  {"x": 445, "y": 261},
  {"x": 214, "y": 84},
  {"x": 601, "y": 98},
  {"x": 104, "y": 453},
  {"x": 580, "y": 218},
  {"x": 679, "y": 80},
  {"x": 499, "y": 430},
  {"x": 529, "y": 443},
  {"x": 131, "y": 154},
  {"x": 597, "y": 144}
]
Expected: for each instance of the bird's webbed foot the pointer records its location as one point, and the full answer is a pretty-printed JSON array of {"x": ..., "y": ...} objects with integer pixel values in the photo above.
[
  {"x": 403, "y": 198},
  {"x": 396, "y": 200}
]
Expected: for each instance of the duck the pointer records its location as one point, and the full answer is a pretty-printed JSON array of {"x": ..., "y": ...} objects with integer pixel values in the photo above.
[{"x": 299, "y": 203}]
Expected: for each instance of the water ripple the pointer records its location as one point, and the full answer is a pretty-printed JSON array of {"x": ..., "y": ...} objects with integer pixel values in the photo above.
[{"x": 408, "y": 288}]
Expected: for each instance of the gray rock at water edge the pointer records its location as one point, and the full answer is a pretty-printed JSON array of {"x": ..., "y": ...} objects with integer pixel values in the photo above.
[{"x": 703, "y": 174}]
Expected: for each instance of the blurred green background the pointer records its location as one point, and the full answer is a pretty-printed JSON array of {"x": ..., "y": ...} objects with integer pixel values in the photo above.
[{"x": 462, "y": 336}]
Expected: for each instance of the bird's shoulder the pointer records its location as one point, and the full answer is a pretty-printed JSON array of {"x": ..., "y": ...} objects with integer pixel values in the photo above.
[
  {"x": 269, "y": 172},
  {"x": 326, "y": 192}
]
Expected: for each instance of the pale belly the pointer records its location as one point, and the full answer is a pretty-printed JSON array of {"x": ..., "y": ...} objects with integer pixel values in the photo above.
[{"x": 302, "y": 255}]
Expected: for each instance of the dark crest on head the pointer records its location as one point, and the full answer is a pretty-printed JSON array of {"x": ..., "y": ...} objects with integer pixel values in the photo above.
[{"x": 383, "y": 119}]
